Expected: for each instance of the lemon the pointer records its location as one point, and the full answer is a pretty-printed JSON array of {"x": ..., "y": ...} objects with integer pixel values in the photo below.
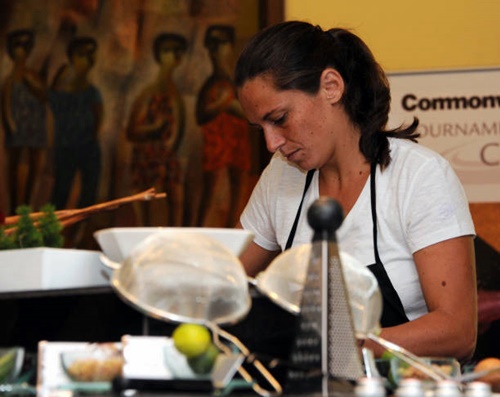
[{"x": 192, "y": 340}]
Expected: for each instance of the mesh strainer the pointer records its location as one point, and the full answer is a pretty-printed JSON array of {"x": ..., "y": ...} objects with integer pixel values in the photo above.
[
  {"x": 184, "y": 278},
  {"x": 284, "y": 279},
  {"x": 188, "y": 277}
]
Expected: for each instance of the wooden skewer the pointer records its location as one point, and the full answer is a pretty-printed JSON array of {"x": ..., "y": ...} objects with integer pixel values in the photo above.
[
  {"x": 147, "y": 195},
  {"x": 12, "y": 220},
  {"x": 70, "y": 216}
]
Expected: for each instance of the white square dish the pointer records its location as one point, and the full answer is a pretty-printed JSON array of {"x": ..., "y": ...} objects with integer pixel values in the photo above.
[
  {"x": 117, "y": 243},
  {"x": 34, "y": 269}
]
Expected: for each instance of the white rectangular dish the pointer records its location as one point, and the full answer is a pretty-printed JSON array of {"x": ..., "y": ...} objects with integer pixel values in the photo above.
[
  {"x": 118, "y": 242},
  {"x": 35, "y": 269}
]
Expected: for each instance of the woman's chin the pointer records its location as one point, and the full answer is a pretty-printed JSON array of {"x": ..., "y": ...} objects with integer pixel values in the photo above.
[{"x": 302, "y": 165}]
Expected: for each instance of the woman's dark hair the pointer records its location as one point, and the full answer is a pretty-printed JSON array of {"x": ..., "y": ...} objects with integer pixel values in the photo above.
[
  {"x": 14, "y": 40},
  {"x": 294, "y": 54},
  {"x": 169, "y": 37},
  {"x": 79, "y": 42}
]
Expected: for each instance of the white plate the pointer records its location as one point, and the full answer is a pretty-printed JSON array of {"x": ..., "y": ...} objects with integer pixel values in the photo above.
[
  {"x": 34, "y": 269},
  {"x": 118, "y": 242}
]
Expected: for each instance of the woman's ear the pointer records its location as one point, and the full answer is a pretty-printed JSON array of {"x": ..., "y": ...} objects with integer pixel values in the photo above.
[{"x": 332, "y": 85}]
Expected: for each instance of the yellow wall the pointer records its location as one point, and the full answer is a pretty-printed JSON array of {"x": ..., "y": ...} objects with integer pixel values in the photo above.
[{"x": 414, "y": 35}]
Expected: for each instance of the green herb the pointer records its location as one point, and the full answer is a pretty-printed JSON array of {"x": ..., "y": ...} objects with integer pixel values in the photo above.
[
  {"x": 42, "y": 229},
  {"x": 50, "y": 227},
  {"x": 26, "y": 234}
]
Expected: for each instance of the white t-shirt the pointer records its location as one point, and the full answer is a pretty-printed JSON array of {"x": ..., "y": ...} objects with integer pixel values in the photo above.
[{"x": 420, "y": 202}]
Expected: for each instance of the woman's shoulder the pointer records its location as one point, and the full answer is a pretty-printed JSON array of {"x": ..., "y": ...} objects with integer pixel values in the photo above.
[
  {"x": 420, "y": 175},
  {"x": 405, "y": 153},
  {"x": 414, "y": 164}
]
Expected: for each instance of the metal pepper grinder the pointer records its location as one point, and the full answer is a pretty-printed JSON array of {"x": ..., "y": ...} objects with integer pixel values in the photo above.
[{"x": 325, "y": 348}]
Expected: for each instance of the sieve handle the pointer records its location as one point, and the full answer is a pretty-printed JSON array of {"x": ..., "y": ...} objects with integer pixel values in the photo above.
[
  {"x": 249, "y": 359},
  {"x": 410, "y": 358},
  {"x": 110, "y": 264}
]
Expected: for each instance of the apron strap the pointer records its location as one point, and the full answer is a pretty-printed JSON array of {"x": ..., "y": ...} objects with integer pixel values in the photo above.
[
  {"x": 291, "y": 236},
  {"x": 393, "y": 312}
]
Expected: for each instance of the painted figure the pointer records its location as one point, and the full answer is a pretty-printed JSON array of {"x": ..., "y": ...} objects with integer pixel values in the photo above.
[
  {"x": 156, "y": 129},
  {"x": 24, "y": 116},
  {"x": 226, "y": 146},
  {"x": 78, "y": 111}
]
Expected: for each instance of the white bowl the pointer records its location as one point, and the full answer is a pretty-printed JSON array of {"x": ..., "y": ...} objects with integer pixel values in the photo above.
[{"x": 117, "y": 243}]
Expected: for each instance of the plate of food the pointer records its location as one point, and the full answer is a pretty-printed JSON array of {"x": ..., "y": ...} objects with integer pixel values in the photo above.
[
  {"x": 400, "y": 370},
  {"x": 97, "y": 362},
  {"x": 81, "y": 366}
]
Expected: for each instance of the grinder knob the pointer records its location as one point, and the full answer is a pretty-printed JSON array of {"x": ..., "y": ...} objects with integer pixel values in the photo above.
[{"x": 325, "y": 216}]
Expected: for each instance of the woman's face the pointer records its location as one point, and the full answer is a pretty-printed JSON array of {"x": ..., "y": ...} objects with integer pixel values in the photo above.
[
  {"x": 170, "y": 54},
  {"x": 21, "y": 48},
  {"x": 84, "y": 57},
  {"x": 297, "y": 124},
  {"x": 224, "y": 50}
]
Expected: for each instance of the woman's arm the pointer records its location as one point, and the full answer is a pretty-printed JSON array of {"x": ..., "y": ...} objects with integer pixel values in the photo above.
[
  {"x": 255, "y": 258},
  {"x": 98, "y": 110},
  {"x": 448, "y": 279},
  {"x": 139, "y": 128},
  {"x": 36, "y": 85}
]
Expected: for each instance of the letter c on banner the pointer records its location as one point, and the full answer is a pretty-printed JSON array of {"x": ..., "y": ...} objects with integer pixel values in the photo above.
[
  {"x": 405, "y": 102},
  {"x": 483, "y": 154}
]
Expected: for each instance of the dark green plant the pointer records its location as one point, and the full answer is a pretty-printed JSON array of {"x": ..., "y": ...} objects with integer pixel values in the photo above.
[
  {"x": 26, "y": 234},
  {"x": 50, "y": 227}
]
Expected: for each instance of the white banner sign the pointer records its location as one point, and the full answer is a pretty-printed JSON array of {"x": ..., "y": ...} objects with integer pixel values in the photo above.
[{"x": 459, "y": 113}]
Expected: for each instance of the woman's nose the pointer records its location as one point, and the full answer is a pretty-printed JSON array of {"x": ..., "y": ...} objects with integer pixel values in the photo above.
[{"x": 274, "y": 140}]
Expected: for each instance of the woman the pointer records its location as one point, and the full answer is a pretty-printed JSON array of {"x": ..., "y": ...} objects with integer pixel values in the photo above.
[
  {"x": 322, "y": 102},
  {"x": 24, "y": 116},
  {"x": 156, "y": 129},
  {"x": 226, "y": 144},
  {"x": 78, "y": 111}
]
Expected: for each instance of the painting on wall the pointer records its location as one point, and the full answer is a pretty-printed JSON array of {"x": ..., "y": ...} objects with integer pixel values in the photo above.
[{"x": 102, "y": 99}]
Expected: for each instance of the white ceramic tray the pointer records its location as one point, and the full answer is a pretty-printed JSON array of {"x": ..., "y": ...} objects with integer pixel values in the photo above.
[
  {"x": 35, "y": 269},
  {"x": 118, "y": 242}
]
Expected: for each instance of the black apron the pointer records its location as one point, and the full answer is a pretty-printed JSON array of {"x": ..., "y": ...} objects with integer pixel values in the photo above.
[{"x": 393, "y": 312}]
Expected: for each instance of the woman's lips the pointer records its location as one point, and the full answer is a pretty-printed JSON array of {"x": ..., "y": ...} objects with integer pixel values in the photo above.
[{"x": 289, "y": 156}]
